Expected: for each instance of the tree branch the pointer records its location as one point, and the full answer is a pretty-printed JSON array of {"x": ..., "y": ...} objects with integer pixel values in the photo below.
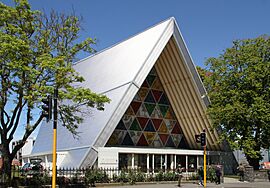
[
  {"x": 27, "y": 133},
  {"x": 15, "y": 126}
]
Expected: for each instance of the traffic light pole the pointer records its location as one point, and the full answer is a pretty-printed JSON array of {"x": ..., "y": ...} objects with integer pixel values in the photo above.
[
  {"x": 201, "y": 138},
  {"x": 204, "y": 165},
  {"x": 54, "y": 137}
]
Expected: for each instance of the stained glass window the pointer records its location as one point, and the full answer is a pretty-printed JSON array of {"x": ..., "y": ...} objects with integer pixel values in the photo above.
[{"x": 149, "y": 121}]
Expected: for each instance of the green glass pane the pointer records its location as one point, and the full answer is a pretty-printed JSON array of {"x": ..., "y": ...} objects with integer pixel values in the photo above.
[
  {"x": 150, "y": 108},
  {"x": 150, "y": 79},
  {"x": 135, "y": 126},
  {"x": 163, "y": 109}
]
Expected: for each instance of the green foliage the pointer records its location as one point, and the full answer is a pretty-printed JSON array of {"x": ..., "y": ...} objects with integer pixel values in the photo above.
[
  {"x": 211, "y": 174},
  {"x": 37, "y": 53},
  {"x": 132, "y": 177},
  {"x": 140, "y": 177},
  {"x": 193, "y": 176},
  {"x": 123, "y": 177},
  {"x": 159, "y": 176},
  {"x": 93, "y": 176},
  {"x": 170, "y": 176},
  {"x": 238, "y": 86}
]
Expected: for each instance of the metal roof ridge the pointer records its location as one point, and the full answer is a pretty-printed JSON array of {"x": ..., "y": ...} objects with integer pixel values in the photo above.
[{"x": 132, "y": 36}]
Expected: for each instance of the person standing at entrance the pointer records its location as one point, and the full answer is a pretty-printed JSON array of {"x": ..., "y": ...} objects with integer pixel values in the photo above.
[
  {"x": 241, "y": 170},
  {"x": 200, "y": 173},
  {"x": 180, "y": 175}
]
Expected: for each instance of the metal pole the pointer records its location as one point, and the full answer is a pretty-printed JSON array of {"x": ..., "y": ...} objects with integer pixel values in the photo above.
[
  {"x": 204, "y": 166},
  {"x": 54, "y": 137}
]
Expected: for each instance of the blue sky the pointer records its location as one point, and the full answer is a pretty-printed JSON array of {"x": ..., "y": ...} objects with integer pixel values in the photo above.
[{"x": 208, "y": 26}]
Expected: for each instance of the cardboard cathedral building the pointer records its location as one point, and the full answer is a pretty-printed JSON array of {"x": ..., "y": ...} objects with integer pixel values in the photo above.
[{"x": 158, "y": 104}]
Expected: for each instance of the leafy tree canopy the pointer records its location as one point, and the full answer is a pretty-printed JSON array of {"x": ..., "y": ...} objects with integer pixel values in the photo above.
[
  {"x": 37, "y": 53},
  {"x": 238, "y": 86}
]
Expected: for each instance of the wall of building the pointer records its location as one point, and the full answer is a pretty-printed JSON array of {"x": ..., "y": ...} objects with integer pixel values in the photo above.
[{"x": 25, "y": 150}]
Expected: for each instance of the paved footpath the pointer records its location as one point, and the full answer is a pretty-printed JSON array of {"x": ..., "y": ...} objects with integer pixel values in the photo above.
[{"x": 193, "y": 185}]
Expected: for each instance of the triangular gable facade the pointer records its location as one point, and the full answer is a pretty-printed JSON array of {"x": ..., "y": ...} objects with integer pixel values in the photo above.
[
  {"x": 149, "y": 120},
  {"x": 157, "y": 98}
]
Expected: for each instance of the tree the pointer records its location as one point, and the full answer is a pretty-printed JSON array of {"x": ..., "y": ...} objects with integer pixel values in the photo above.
[
  {"x": 37, "y": 52},
  {"x": 238, "y": 87}
]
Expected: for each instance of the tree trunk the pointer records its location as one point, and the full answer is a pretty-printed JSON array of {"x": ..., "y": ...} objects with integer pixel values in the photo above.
[
  {"x": 7, "y": 163},
  {"x": 6, "y": 169},
  {"x": 255, "y": 162}
]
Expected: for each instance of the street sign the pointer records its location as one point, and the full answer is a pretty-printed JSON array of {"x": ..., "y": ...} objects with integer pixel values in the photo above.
[{"x": 198, "y": 138}]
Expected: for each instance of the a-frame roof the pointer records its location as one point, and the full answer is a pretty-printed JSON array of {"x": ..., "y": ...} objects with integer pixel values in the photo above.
[{"x": 119, "y": 72}]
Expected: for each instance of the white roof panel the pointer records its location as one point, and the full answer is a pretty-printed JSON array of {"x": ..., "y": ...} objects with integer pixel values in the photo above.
[
  {"x": 119, "y": 64},
  {"x": 88, "y": 130}
]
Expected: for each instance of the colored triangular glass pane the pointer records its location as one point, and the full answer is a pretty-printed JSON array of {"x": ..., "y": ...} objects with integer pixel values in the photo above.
[
  {"x": 169, "y": 114},
  {"x": 127, "y": 120},
  {"x": 150, "y": 136},
  {"x": 156, "y": 123},
  {"x": 169, "y": 124},
  {"x": 163, "y": 109},
  {"x": 163, "y": 100},
  {"x": 150, "y": 79},
  {"x": 149, "y": 107},
  {"x": 145, "y": 84},
  {"x": 183, "y": 144},
  {"x": 156, "y": 113},
  {"x": 129, "y": 111},
  {"x": 135, "y": 106},
  {"x": 116, "y": 138},
  {"x": 135, "y": 126},
  {"x": 176, "y": 129},
  {"x": 157, "y": 94},
  {"x": 142, "y": 141},
  {"x": 157, "y": 143},
  {"x": 149, "y": 98},
  {"x": 157, "y": 85},
  {"x": 153, "y": 71},
  {"x": 121, "y": 125},
  {"x": 142, "y": 121},
  {"x": 163, "y": 128},
  {"x": 176, "y": 138},
  {"x": 127, "y": 141},
  {"x": 135, "y": 135},
  {"x": 137, "y": 97},
  {"x": 170, "y": 142},
  {"x": 143, "y": 93},
  {"x": 163, "y": 138},
  {"x": 112, "y": 141},
  {"x": 149, "y": 127},
  {"x": 142, "y": 112}
]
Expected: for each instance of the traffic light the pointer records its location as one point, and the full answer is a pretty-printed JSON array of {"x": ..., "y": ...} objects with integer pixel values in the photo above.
[
  {"x": 203, "y": 138},
  {"x": 47, "y": 108}
]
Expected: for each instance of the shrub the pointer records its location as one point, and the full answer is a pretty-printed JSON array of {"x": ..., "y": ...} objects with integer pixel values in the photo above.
[
  {"x": 122, "y": 177},
  {"x": 131, "y": 176},
  {"x": 159, "y": 176},
  {"x": 194, "y": 176},
  {"x": 211, "y": 174},
  {"x": 92, "y": 176},
  {"x": 140, "y": 176},
  {"x": 170, "y": 176},
  {"x": 150, "y": 178}
]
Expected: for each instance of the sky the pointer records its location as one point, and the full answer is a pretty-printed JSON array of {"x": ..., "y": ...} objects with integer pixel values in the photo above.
[{"x": 208, "y": 26}]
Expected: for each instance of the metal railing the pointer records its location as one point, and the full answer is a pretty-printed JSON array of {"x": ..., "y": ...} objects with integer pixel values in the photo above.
[{"x": 85, "y": 176}]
